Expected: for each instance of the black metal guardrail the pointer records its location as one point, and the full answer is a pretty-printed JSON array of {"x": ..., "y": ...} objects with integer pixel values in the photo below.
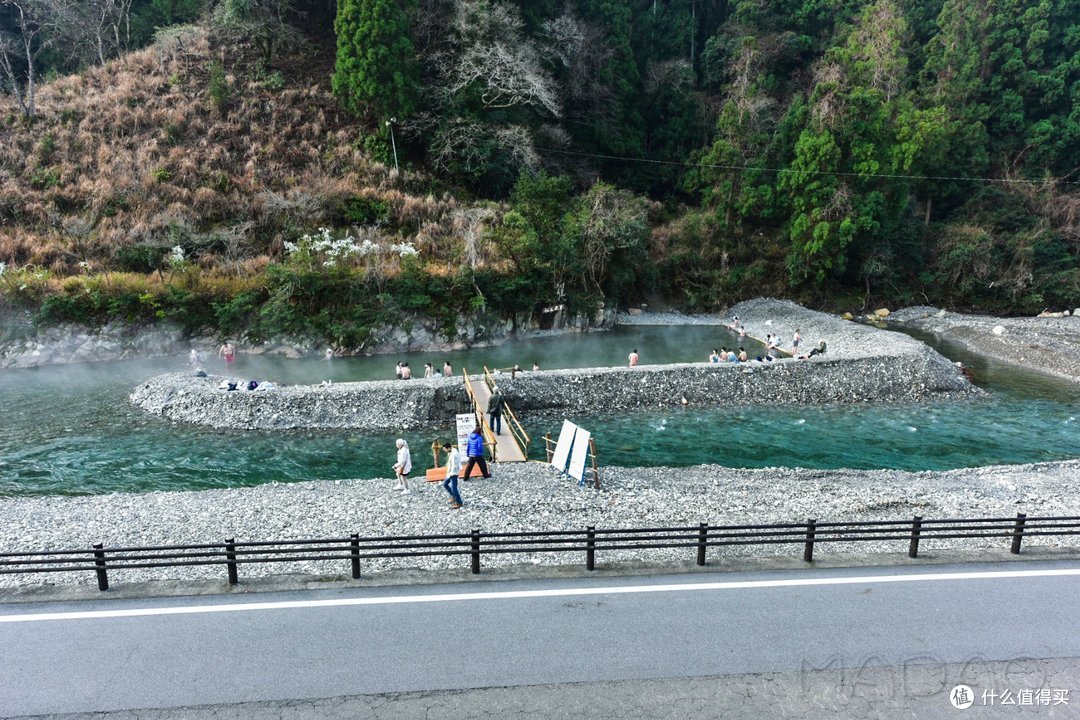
[{"x": 589, "y": 541}]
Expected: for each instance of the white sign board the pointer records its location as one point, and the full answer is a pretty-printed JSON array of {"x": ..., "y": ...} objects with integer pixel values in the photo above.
[
  {"x": 579, "y": 455},
  {"x": 466, "y": 423},
  {"x": 562, "y": 448}
]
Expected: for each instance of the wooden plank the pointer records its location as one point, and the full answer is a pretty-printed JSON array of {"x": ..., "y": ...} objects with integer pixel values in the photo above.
[{"x": 508, "y": 449}]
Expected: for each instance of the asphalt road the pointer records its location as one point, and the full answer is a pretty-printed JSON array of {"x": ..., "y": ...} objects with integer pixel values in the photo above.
[{"x": 168, "y": 653}]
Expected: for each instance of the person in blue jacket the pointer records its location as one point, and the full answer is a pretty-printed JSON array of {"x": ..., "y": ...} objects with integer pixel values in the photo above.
[{"x": 475, "y": 450}]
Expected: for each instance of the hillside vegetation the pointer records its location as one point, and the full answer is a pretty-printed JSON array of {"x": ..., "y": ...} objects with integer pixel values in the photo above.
[{"x": 841, "y": 152}]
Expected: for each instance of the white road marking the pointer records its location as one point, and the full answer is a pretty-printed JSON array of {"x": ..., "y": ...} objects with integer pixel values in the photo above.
[{"x": 552, "y": 593}]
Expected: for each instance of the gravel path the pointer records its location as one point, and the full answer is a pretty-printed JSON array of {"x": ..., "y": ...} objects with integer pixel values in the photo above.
[
  {"x": 531, "y": 496},
  {"x": 1048, "y": 344}
]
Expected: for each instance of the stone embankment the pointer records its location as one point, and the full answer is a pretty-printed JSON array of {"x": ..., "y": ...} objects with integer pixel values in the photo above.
[
  {"x": 1048, "y": 344},
  {"x": 862, "y": 364},
  {"x": 377, "y": 405},
  {"x": 530, "y": 497}
]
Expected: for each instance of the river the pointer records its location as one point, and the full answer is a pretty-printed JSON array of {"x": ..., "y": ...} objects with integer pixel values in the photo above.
[{"x": 71, "y": 429}]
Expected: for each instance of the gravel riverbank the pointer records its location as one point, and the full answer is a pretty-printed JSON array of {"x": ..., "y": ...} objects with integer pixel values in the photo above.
[
  {"x": 1048, "y": 344},
  {"x": 529, "y": 497}
]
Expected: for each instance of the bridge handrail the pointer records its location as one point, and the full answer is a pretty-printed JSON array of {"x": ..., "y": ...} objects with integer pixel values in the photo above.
[
  {"x": 476, "y": 543},
  {"x": 520, "y": 436},
  {"x": 485, "y": 428}
]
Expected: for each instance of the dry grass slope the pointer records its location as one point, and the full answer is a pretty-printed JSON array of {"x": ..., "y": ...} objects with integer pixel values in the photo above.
[{"x": 138, "y": 153}]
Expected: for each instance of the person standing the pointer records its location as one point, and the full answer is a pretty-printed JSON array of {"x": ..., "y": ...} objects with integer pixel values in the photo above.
[
  {"x": 475, "y": 450},
  {"x": 447, "y": 371},
  {"x": 397, "y": 370},
  {"x": 403, "y": 466},
  {"x": 428, "y": 370},
  {"x": 453, "y": 469},
  {"x": 227, "y": 351},
  {"x": 795, "y": 340},
  {"x": 495, "y": 409},
  {"x": 633, "y": 358},
  {"x": 406, "y": 371}
]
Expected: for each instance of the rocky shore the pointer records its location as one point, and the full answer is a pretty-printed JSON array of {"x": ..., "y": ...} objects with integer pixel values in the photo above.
[
  {"x": 529, "y": 497},
  {"x": 1048, "y": 344},
  {"x": 862, "y": 364}
]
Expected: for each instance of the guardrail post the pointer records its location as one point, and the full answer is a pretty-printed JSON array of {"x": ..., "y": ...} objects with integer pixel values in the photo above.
[
  {"x": 230, "y": 556},
  {"x": 99, "y": 561},
  {"x": 1018, "y": 533},
  {"x": 808, "y": 551},
  {"x": 475, "y": 552},
  {"x": 354, "y": 551},
  {"x": 916, "y": 531},
  {"x": 702, "y": 537},
  {"x": 590, "y": 548}
]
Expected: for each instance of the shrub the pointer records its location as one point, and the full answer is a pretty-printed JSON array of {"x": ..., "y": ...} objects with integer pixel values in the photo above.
[
  {"x": 140, "y": 258},
  {"x": 219, "y": 88},
  {"x": 44, "y": 178},
  {"x": 361, "y": 210}
]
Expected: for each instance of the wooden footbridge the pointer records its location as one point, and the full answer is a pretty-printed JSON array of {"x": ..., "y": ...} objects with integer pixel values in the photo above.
[{"x": 510, "y": 445}]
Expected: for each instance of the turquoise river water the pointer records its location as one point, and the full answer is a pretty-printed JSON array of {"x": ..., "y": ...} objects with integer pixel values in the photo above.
[{"x": 71, "y": 430}]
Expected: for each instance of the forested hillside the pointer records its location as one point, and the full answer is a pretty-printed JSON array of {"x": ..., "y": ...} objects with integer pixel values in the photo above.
[{"x": 478, "y": 155}]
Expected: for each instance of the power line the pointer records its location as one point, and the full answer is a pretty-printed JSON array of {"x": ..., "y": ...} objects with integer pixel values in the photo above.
[{"x": 716, "y": 166}]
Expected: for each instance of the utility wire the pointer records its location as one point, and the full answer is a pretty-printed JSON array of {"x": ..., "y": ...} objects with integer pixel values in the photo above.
[{"x": 716, "y": 166}]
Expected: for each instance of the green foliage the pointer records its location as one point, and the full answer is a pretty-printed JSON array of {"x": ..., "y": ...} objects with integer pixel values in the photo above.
[
  {"x": 824, "y": 148},
  {"x": 44, "y": 178},
  {"x": 376, "y": 73},
  {"x": 360, "y": 210},
  {"x": 219, "y": 90},
  {"x": 140, "y": 258}
]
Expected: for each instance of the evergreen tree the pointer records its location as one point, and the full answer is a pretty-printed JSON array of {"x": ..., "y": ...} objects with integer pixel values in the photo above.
[{"x": 376, "y": 73}]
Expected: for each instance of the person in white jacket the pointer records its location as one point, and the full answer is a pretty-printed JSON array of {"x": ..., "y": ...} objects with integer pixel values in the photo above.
[
  {"x": 453, "y": 470},
  {"x": 403, "y": 466}
]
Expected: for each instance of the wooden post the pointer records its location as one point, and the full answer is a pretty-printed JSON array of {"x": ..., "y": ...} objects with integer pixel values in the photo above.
[
  {"x": 916, "y": 532},
  {"x": 354, "y": 554},
  {"x": 811, "y": 531},
  {"x": 595, "y": 470},
  {"x": 547, "y": 446},
  {"x": 1018, "y": 533}
]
